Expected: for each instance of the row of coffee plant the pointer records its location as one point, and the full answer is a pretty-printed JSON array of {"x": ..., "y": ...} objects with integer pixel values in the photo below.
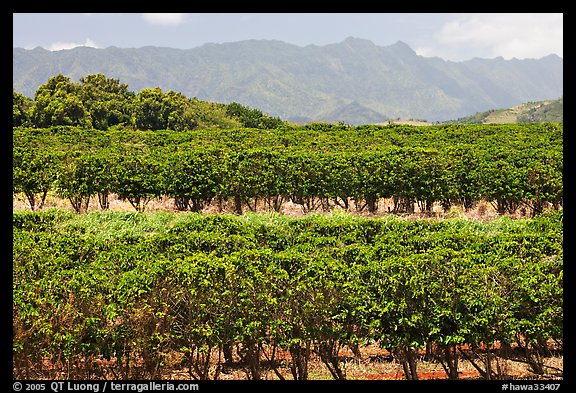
[
  {"x": 130, "y": 295},
  {"x": 316, "y": 166}
]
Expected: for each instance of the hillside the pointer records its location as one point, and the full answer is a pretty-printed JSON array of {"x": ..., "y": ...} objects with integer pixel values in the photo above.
[
  {"x": 354, "y": 81},
  {"x": 530, "y": 112}
]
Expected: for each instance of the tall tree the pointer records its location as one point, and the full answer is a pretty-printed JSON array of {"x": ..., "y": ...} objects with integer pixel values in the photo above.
[
  {"x": 22, "y": 108},
  {"x": 147, "y": 110},
  {"x": 176, "y": 112},
  {"x": 107, "y": 100},
  {"x": 58, "y": 102}
]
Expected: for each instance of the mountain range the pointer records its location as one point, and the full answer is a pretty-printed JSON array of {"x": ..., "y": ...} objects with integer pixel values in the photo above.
[{"x": 354, "y": 81}]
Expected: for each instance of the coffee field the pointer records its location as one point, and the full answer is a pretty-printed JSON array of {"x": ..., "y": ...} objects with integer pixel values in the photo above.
[{"x": 147, "y": 294}]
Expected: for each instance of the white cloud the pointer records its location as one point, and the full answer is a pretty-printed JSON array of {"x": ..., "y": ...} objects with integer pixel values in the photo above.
[
  {"x": 492, "y": 35},
  {"x": 165, "y": 19},
  {"x": 69, "y": 45}
]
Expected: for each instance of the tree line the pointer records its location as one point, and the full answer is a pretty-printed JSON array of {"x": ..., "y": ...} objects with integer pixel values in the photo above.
[
  {"x": 512, "y": 167},
  {"x": 99, "y": 102}
]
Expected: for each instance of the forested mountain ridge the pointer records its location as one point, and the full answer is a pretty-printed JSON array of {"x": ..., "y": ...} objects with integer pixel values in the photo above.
[{"x": 354, "y": 81}]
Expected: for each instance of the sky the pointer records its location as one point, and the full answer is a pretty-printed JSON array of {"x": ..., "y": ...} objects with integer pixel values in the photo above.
[{"x": 450, "y": 36}]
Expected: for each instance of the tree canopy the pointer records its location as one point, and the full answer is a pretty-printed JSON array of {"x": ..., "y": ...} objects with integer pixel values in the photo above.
[{"x": 99, "y": 102}]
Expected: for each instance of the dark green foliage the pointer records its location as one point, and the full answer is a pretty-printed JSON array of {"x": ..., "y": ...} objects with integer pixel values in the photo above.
[
  {"x": 22, "y": 109},
  {"x": 100, "y": 102},
  {"x": 251, "y": 117},
  {"x": 107, "y": 100},
  {"x": 318, "y": 166}
]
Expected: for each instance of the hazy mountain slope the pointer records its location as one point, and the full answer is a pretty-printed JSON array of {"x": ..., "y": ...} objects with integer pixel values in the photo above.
[
  {"x": 354, "y": 81},
  {"x": 529, "y": 112}
]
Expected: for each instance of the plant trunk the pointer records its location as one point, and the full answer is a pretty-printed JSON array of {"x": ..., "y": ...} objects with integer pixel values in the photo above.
[
  {"x": 237, "y": 204},
  {"x": 299, "y": 365}
]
